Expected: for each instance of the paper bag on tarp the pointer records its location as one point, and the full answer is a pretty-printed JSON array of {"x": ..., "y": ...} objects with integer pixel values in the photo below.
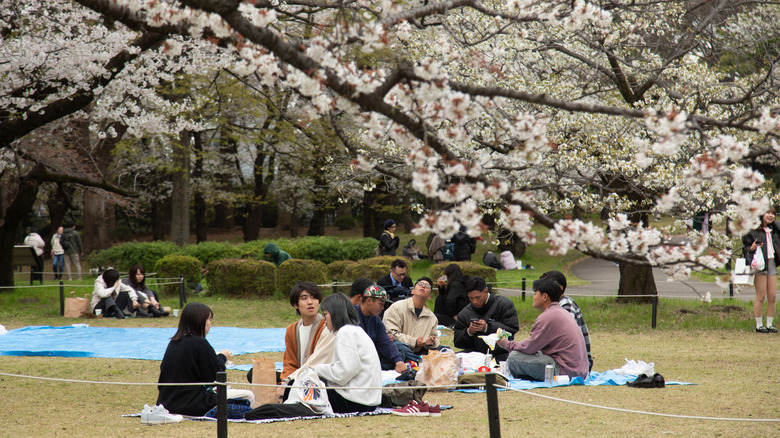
[
  {"x": 439, "y": 368},
  {"x": 77, "y": 307},
  {"x": 264, "y": 372}
]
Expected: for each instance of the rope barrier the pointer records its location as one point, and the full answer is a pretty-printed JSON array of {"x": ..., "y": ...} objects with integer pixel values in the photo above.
[
  {"x": 459, "y": 386},
  {"x": 71, "y": 285},
  {"x": 633, "y": 411}
]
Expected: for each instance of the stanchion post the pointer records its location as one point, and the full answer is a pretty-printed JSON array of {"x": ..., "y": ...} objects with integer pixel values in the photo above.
[
  {"x": 655, "y": 309},
  {"x": 523, "y": 287},
  {"x": 492, "y": 404},
  {"x": 335, "y": 289},
  {"x": 222, "y": 431},
  {"x": 62, "y": 299},
  {"x": 182, "y": 293}
]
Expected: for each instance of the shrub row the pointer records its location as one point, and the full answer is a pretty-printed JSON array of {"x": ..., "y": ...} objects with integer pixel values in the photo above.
[{"x": 321, "y": 248}]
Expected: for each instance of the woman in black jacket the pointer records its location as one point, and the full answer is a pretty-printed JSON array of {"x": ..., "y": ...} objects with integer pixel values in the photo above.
[
  {"x": 453, "y": 297},
  {"x": 190, "y": 358},
  {"x": 388, "y": 241},
  {"x": 765, "y": 238}
]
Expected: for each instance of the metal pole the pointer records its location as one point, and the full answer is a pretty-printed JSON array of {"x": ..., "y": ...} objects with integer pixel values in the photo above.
[
  {"x": 655, "y": 308},
  {"x": 492, "y": 404},
  {"x": 182, "y": 293},
  {"x": 335, "y": 289},
  {"x": 62, "y": 299},
  {"x": 222, "y": 431},
  {"x": 523, "y": 287}
]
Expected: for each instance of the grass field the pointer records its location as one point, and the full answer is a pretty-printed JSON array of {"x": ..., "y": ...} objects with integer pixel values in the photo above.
[
  {"x": 734, "y": 370},
  {"x": 711, "y": 345}
]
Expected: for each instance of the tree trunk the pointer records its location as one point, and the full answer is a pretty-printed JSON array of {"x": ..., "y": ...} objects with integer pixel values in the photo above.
[
  {"x": 180, "y": 195},
  {"x": 263, "y": 173},
  {"x": 99, "y": 215},
  {"x": 407, "y": 214},
  {"x": 199, "y": 201},
  {"x": 636, "y": 280},
  {"x": 159, "y": 220},
  {"x": 368, "y": 215},
  {"x": 10, "y": 219},
  {"x": 317, "y": 223}
]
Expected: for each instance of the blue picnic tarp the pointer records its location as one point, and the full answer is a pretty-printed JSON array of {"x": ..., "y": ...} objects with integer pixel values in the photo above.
[{"x": 147, "y": 343}]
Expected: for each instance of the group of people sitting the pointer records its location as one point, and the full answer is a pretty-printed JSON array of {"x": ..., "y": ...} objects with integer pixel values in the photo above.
[
  {"x": 126, "y": 298},
  {"x": 346, "y": 342}
]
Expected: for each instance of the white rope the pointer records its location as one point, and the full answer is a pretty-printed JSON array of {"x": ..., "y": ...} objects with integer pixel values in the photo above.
[
  {"x": 633, "y": 411},
  {"x": 97, "y": 382}
]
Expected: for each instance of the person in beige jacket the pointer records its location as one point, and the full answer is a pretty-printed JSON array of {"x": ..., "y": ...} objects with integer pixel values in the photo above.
[{"x": 411, "y": 324}]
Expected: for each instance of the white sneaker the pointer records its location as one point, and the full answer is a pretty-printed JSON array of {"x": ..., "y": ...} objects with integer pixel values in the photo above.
[
  {"x": 160, "y": 415},
  {"x": 145, "y": 414}
]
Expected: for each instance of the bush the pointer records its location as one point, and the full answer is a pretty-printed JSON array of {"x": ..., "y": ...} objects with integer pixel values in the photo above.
[
  {"x": 372, "y": 268},
  {"x": 123, "y": 256},
  {"x": 174, "y": 266},
  {"x": 294, "y": 270},
  {"x": 470, "y": 269},
  {"x": 345, "y": 222},
  {"x": 323, "y": 248},
  {"x": 341, "y": 269},
  {"x": 207, "y": 252},
  {"x": 242, "y": 278},
  {"x": 359, "y": 249}
]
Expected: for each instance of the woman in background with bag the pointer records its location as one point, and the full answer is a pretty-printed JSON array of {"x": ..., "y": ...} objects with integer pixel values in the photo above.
[{"x": 764, "y": 243}]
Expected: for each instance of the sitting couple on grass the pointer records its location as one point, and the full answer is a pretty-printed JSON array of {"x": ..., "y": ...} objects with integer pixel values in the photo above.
[{"x": 127, "y": 298}]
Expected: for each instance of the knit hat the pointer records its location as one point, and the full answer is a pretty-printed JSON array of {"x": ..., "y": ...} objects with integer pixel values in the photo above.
[
  {"x": 388, "y": 223},
  {"x": 375, "y": 291}
]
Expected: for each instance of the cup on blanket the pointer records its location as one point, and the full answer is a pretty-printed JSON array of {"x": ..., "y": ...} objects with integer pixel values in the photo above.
[
  {"x": 98, "y": 312},
  {"x": 503, "y": 368},
  {"x": 176, "y": 312}
]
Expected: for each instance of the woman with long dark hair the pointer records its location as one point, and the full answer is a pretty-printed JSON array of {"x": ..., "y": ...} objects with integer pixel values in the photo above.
[
  {"x": 148, "y": 302},
  {"x": 453, "y": 296},
  {"x": 765, "y": 238},
  {"x": 190, "y": 358}
]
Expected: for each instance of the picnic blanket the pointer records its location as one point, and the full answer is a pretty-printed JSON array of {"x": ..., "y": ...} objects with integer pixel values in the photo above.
[
  {"x": 147, "y": 343},
  {"x": 607, "y": 378},
  {"x": 378, "y": 411}
]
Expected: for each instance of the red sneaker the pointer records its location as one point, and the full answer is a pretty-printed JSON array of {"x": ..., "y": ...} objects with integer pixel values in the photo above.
[
  {"x": 413, "y": 409},
  {"x": 433, "y": 410}
]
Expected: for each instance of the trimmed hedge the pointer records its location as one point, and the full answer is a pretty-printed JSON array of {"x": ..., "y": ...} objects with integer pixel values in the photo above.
[
  {"x": 470, "y": 269},
  {"x": 242, "y": 278},
  {"x": 125, "y": 255},
  {"x": 323, "y": 248},
  {"x": 174, "y": 266},
  {"x": 341, "y": 269},
  {"x": 359, "y": 249},
  {"x": 207, "y": 252},
  {"x": 294, "y": 270},
  {"x": 372, "y": 268}
]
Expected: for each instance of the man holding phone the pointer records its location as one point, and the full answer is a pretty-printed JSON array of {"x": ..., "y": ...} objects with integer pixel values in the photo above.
[{"x": 485, "y": 314}]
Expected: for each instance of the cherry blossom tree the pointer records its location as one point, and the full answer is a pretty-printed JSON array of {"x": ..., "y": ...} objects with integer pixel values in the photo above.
[{"x": 535, "y": 111}]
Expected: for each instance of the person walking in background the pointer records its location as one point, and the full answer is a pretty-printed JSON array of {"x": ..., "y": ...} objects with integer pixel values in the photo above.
[
  {"x": 388, "y": 241},
  {"x": 57, "y": 254},
  {"x": 765, "y": 238},
  {"x": 71, "y": 244},
  {"x": 35, "y": 240}
]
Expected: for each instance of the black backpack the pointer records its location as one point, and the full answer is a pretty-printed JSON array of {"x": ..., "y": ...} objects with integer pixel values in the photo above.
[{"x": 65, "y": 241}]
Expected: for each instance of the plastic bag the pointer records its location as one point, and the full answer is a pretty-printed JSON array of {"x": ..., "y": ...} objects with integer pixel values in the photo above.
[
  {"x": 758, "y": 261},
  {"x": 439, "y": 368},
  {"x": 635, "y": 368},
  {"x": 309, "y": 390}
]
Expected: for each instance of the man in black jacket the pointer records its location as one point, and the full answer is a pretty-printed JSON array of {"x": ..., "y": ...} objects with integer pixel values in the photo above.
[
  {"x": 485, "y": 315},
  {"x": 397, "y": 283}
]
